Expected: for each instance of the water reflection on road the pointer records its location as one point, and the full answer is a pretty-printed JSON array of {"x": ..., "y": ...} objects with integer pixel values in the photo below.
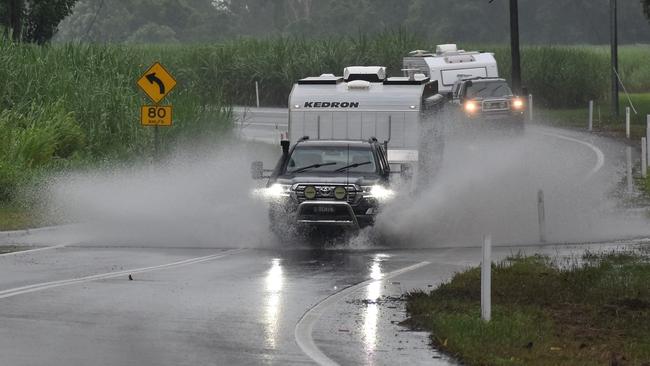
[
  {"x": 371, "y": 311},
  {"x": 273, "y": 283}
]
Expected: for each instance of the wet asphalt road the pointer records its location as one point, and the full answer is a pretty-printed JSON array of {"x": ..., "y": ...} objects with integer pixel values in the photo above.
[
  {"x": 237, "y": 307},
  {"x": 75, "y": 304}
]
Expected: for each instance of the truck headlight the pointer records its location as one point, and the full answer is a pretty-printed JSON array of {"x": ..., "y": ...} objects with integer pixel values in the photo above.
[
  {"x": 517, "y": 104},
  {"x": 274, "y": 192},
  {"x": 378, "y": 192},
  {"x": 471, "y": 106}
]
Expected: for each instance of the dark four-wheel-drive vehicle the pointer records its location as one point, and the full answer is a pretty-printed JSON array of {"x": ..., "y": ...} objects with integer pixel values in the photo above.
[
  {"x": 489, "y": 101},
  {"x": 326, "y": 183}
]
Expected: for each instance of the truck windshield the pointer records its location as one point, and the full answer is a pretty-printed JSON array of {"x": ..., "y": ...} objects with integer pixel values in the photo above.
[
  {"x": 488, "y": 89},
  {"x": 331, "y": 159}
]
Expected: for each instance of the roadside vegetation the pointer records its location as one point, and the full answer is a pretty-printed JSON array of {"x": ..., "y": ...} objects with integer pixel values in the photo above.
[
  {"x": 76, "y": 106},
  {"x": 603, "y": 122},
  {"x": 15, "y": 217},
  {"x": 592, "y": 310},
  {"x": 72, "y": 107}
]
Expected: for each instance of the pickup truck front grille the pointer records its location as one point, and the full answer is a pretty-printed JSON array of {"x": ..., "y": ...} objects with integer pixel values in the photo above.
[
  {"x": 496, "y": 105},
  {"x": 325, "y": 192}
]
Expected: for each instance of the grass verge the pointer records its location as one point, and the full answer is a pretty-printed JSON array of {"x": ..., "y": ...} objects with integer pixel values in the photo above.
[
  {"x": 602, "y": 122},
  {"x": 14, "y": 217},
  {"x": 593, "y": 310}
]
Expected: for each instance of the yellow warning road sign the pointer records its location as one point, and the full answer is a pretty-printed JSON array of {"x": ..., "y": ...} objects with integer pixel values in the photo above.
[
  {"x": 156, "y": 82},
  {"x": 155, "y": 115}
]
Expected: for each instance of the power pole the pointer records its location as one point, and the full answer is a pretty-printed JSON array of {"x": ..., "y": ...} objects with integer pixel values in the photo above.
[
  {"x": 514, "y": 46},
  {"x": 613, "y": 20},
  {"x": 14, "y": 18}
]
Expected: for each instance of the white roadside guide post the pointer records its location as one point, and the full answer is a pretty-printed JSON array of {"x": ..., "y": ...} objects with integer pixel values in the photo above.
[
  {"x": 591, "y": 115},
  {"x": 644, "y": 157},
  {"x": 627, "y": 122},
  {"x": 530, "y": 107},
  {"x": 628, "y": 156},
  {"x": 486, "y": 279},
  {"x": 541, "y": 216},
  {"x": 647, "y": 139},
  {"x": 257, "y": 94}
]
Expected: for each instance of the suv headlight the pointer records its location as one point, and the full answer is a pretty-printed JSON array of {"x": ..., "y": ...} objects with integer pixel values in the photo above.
[
  {"x": 518, "y": 104},
  {"x": 471, "y": 106},
  {"x": 378, "y": 192},
  {"x": 274, "y": 192}
]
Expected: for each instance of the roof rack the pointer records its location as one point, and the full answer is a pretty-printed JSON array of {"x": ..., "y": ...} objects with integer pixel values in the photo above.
[
  {"x": 325, "y": 79},
  {"x": 483, "y": 78},
  {"x": 373, "y": 74},
  {"x": 404, "y": 80}
]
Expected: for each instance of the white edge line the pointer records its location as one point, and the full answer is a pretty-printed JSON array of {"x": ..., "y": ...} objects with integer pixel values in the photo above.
[
  {"x": 31, "y": 250},
  {"x": 305, "y": 326},
  {"x": 47, "y": 285},
  {"x": 599, "y": 153}
]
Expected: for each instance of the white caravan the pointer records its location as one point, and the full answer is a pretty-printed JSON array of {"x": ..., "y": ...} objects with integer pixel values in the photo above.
[
  {"x": 449, "y": 64},
  {"x": 365, "y": 104}
]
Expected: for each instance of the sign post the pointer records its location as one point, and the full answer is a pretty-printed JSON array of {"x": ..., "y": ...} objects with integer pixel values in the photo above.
[
  {"x": 644, "y": 158},
  {"x": 590, "y": 123},
  {"x": 486, "y": 279},
  {"x": 156, "y": 83},
  {"x": 541, "y": 216}
]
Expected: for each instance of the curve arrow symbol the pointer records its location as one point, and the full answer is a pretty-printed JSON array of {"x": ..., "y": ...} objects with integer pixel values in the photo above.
[{"x": 154, "y": 79}]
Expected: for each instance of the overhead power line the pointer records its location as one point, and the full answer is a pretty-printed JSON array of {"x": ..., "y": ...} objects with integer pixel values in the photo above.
[{"x": 92, "y": 22}]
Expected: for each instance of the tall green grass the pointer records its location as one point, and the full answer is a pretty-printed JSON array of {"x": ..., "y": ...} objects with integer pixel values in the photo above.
[
  {"x": 71, "y": 105},
  {"x": 233, "y": 66},
  {"x": 559, "y": 76}
]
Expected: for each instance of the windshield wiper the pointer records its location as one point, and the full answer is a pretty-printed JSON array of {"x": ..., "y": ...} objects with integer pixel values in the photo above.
[
  {"x": 300, "y": 170},
  {"x": 352, "y": 166}
]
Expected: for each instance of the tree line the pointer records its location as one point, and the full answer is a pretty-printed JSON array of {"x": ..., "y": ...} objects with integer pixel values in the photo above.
[{"x": 170, "y": 21}]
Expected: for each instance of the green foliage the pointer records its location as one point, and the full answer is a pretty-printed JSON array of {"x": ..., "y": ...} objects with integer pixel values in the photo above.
[
  {"x": 276, "y": 63},
  {"x": 34, "y": 20},
  {"x": 9, "y": 179},
  {"x": 68, "y": 106},
  {"x": 541, "y": 22},
  {"x": 153, "y": 33},
  {"x": 577, "y": 311},
  {"x": 41, "y": 134},
  {"x": 160, "y": 21},
  {"x": 559, "y": 77}
]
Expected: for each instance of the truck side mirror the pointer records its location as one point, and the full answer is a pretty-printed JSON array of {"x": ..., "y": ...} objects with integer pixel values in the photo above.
[{"x": 257, "y": 170}]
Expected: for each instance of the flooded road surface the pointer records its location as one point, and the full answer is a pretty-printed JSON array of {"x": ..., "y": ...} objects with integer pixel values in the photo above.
[
  {"x": 77, "y": 306},
  {"x": 187, "y": 273}
]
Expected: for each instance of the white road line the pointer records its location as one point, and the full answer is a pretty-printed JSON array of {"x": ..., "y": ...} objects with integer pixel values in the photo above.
[
  {"x": 599, "y": 154},
  {"x": 33, "y": 250},
  {"x": 52, "y": 284},
  {"x": 305, "y": 326},
  {"x": 270, "y": 125}
]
